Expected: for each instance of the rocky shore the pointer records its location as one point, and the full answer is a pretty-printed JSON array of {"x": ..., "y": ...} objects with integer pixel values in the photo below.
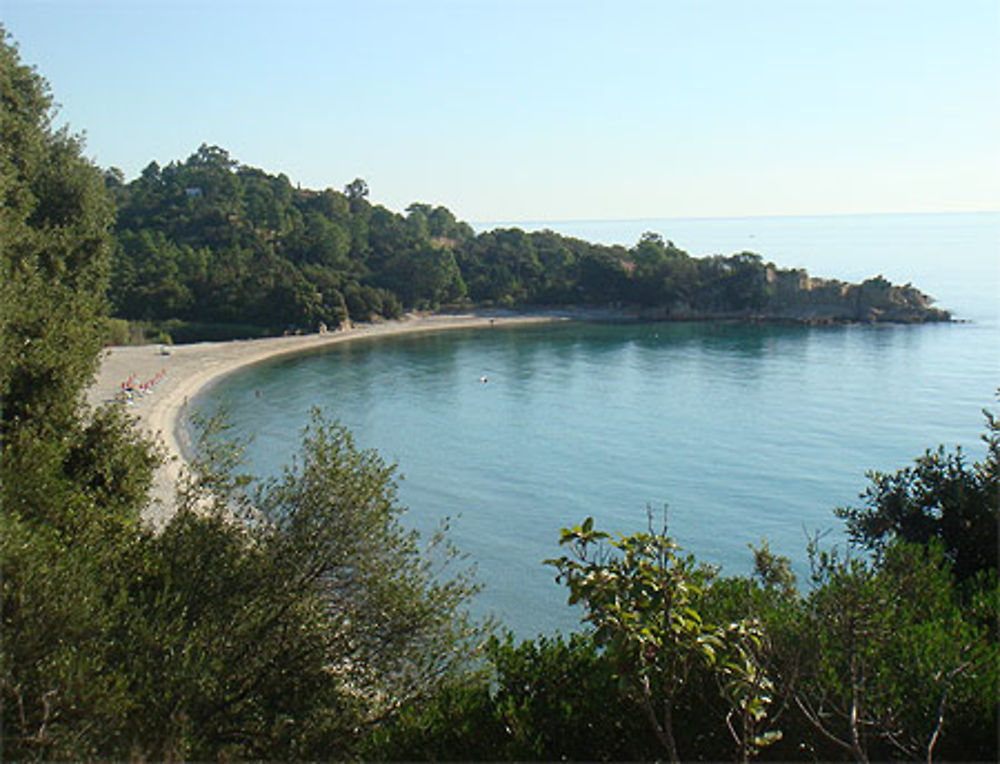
[{"x": 795, "y": 296}]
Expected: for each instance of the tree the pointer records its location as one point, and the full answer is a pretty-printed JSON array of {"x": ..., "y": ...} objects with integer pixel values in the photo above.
[
  {"x": 425, "y": 277},
  {"x": 332, "y": 616},
  {"x": 284, "y": 622},
  {"x": 602, "y": 275},
  {"x": 417, "y": 223},
  {"x": 941, "y": 497},
  {"x": 642, "y": 599},
  {"x": 70, "y": 486},
  {"x": 54, "y": 262},
  {"x": 544, "y": 699},
  {"x": 356, "y": 189},
  {"x": 650, "y": 253},
  {"x": 501, "y": 266},
  {"x": 285, "y": 631},
  {"x": 893, "y": 655},
  {"x": 54, "y": 249}
]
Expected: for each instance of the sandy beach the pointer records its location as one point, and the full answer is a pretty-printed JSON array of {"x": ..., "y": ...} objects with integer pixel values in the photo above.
[{"x": 172, "y": 375}]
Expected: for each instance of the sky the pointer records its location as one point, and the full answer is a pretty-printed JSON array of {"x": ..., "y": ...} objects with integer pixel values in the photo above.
[{"x": 509, "y": 110}]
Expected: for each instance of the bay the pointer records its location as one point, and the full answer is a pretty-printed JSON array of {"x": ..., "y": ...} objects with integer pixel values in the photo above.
[{"x": 741, "y": 431}]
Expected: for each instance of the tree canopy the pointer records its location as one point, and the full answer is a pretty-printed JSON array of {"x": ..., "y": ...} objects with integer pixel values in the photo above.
[
  {"x": 212, "y": 240},
  {"x": 942, "y": 497}
]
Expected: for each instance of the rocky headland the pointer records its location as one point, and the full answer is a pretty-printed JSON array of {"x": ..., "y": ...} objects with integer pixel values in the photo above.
[{"x": 796, "y": 296}]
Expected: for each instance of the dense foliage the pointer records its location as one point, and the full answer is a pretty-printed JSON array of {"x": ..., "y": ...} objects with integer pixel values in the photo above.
[
  {"x": 641, "y": 598},
  {"x": 887, "y": 657},
  {"x": 285, "y": 627},
  {"x": 941, "y": 497},
  {"x": 210, "y": 240},
  {"x": 296, "y": 619}
]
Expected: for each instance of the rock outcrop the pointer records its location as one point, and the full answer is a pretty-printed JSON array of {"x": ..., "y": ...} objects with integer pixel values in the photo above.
[
  {"x": 793, "y": 295},
  {"x": 798, "y": 296}
]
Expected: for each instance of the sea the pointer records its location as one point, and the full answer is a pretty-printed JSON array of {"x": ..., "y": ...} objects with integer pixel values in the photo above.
[{"x": 728, "y": 433}]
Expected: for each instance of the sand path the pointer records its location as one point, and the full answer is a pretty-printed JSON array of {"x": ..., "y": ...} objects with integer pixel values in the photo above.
[{"x": 179, "y": 372}]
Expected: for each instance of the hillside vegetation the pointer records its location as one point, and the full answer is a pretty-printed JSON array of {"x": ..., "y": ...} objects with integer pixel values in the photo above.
[{"x": 210, "y": 240}]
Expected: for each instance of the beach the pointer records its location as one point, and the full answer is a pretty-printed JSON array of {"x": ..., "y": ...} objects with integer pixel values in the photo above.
[{"x": 164, "y": 378}]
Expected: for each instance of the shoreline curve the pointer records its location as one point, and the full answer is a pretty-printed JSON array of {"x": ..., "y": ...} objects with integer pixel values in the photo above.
[{"x": 176, "y": 373}]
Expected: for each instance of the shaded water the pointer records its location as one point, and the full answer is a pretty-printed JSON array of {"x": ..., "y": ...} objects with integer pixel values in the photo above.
[{"x": 745, "y": 431}]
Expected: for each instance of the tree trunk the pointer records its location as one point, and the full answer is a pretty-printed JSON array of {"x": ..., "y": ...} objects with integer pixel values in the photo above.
[
  {"x": 665, "y": 731},
  {"x": 668, "y": 732}
]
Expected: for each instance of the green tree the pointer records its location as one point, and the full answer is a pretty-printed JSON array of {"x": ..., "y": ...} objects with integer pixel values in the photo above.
[
  {"x": 54, "y": 249},
  {"x": 285, "y": 631},
  {"x": 71, "y": 486},
  {"x": 602, "y": 275},
  {"x": 941, "y": 497},
  {"x": 500, "y": 266},
  {"x": 286, "y": 622},
  {"x": 54, "y": 262},
  {"x": 326, "y": 242},
  {"x": 425, "y": 277},
  {"x": 319, "y": 617},
  {"x": 545, "y": 699},
  {"x": 642, "y": 598},
  {"x": 356, "y": 189},
  {"x": 559, "y": 267},
  {"x": 650, "y": 253},
  {"x": 894, "y": 657}
]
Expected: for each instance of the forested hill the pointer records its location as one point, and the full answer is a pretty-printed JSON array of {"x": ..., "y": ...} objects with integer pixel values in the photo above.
[{"x": 211, "y": 240}]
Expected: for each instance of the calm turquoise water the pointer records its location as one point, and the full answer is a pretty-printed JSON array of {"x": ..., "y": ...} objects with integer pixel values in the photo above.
[{"x": 744, "y": 431}]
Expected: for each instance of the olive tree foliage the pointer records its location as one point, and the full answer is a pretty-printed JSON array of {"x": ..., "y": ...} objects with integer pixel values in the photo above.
[
  {"x": 280, "y": 620},
  {"x": 642, "y": 599},
  {"x": 333, "y": 521},
  {"x": 288, "y": 618}
]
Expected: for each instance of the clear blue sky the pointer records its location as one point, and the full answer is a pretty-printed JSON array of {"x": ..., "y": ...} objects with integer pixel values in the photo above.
[{"x": 547, "y": 110}]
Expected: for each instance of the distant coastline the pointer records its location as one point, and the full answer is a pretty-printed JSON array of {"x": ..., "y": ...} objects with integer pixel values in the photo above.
[{"x": 210, "y": 248}]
